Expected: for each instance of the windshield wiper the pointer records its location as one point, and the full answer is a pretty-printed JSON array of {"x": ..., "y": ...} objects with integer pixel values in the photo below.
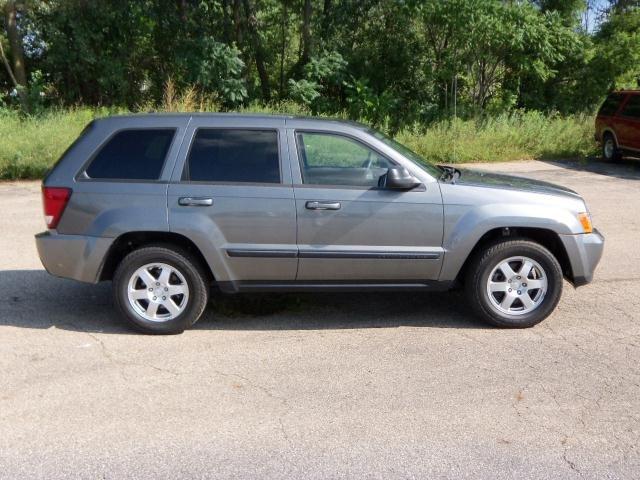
[{"x": 449, "y": 174}]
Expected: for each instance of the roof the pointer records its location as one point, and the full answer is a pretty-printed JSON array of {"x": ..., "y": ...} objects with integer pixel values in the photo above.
[{"x": 240, "y": 116}]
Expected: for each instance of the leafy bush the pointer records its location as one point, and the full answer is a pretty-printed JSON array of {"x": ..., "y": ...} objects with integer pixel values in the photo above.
[
  {"x": 304, "y": 91},
  {"x": 221, "y": 72},
  {"x": 365, "y": 104},
  {"x": 324, "y": 80}
]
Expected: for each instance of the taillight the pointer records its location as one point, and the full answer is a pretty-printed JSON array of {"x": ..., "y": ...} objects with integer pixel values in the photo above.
[{"x": 54, "y": 200}]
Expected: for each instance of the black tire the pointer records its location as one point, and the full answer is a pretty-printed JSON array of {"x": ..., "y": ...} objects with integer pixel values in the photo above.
[
  {"x": 482, "y": 266},
  {"x": 188, "y": 267},
  {"x": 610, "y": 151}
]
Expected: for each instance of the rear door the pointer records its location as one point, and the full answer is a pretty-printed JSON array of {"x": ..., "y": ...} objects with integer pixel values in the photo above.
[
  {"x": 231, "y": 194},
  {"x": 351, "y": 231},
  {"x": 629, "y": 124}
]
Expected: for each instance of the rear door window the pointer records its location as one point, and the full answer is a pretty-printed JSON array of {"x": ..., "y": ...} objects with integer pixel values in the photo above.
[
  {"x": 136, "y": 154},
  {"x": 233, "y": 155},
  {"x": 632, "y": 108},
  {"x": 610, "y": 105}
]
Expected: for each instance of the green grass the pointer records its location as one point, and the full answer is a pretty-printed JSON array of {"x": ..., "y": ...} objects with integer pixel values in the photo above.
[
  {"x": 30, "y": 145},
  {"x": 521, "y": 136}
]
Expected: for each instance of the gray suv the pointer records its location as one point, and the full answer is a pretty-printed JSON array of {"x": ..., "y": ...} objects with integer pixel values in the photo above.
[{"x": 169, "y": 206}]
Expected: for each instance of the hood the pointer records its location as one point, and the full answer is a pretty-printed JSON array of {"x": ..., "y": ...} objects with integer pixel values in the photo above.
[{"x": 494, "y": 180}]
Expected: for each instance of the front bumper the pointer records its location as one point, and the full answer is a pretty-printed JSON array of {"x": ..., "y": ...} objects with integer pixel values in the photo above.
[
  {"x": 78, "y": 257},
  {"x": 584, "y": 251}
]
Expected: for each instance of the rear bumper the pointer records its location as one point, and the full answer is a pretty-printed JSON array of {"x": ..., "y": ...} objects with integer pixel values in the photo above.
[
  {"x": 73, "y": 256},
  {"x": 584, "y": 251}
]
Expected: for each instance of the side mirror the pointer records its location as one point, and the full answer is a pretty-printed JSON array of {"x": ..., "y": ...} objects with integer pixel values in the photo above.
[{"x": 398, "y": 178}]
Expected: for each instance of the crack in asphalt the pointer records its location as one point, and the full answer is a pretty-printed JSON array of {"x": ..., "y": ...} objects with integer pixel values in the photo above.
[
  {"x": 283, "y": 401},
  {"x": 109, "y": 356},
  {"x": 116, "y": 361},
  {"x": 571, "y": 464}
]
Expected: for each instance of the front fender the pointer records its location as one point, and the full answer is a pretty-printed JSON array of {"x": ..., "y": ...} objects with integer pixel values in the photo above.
[{"x": 466, "y": 225}]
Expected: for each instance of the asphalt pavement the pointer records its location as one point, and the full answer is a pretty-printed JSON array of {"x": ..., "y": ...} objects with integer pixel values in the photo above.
[{"x": 394, "y": 385}]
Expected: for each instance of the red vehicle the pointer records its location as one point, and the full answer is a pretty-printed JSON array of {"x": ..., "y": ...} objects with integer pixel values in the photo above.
[{"x": 618, "y": 125}]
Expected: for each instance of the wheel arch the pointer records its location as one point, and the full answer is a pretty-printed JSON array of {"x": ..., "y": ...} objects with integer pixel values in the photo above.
[
  {"x": 130, "y": 241},
  {"x": 545, "y": 237}
]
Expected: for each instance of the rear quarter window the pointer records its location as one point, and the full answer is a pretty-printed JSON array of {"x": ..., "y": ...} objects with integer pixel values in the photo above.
[
  {"x": 135, "y": 154},
  {"x": 611, "y": 104}
]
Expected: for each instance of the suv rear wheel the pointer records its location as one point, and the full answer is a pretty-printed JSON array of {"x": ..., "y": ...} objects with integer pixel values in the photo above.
[
  {"x": 610, "y": 151},
  {"x": 160, "y": 289},
  {"x": 514, "y": 283}
]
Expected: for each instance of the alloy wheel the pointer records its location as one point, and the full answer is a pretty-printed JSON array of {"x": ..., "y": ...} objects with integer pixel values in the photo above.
[
  {"x": 158, "y": 292},
  {"x": 517, "y": 286}
]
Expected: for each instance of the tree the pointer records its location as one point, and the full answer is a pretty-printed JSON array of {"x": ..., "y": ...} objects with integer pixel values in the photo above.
[
  {"x": 616, "y": 63},
  {"x": 569, "y": 10},
  {"x": 96, "y": 52},
  {"x": 390, "y": 62},
  {"x": 621, "y": 6},
  {"x": 489, "y": 45},
  {"x": 258, "y": 50},
  {"x": 7, "y": 65},
  {"x": 306, "y": 39},
  {"x": 16, "y": 69}
]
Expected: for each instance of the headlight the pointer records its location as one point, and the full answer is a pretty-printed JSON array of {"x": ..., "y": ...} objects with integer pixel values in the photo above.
[{"x": 585, "y": 221}]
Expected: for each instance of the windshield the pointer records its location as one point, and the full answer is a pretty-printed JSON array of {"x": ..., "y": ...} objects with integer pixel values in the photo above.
[{"x": 407, "y": 153}]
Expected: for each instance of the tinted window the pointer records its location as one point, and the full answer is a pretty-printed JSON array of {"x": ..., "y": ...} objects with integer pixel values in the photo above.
[
  {"x": 133, "y": 154},
  {"x": 328, "y": 159},
  {"x": 610, "y": 105},
  {"x": 231, "y": 155},
  {"x": 632, "y": 108}
]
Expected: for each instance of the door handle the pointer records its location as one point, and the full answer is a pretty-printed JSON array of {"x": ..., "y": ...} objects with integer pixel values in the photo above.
[
  {"x": 195, "y": 201},
  {"x": 314, "y": 205}
]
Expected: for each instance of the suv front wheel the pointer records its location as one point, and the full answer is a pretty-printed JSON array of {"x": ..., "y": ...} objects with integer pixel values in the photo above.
[
  {"x": 160, "y": 290},
  {"x": 514, "y": 283}
]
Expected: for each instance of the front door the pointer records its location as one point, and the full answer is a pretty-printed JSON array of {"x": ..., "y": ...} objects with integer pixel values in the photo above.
[
  {"x": 232, "y": 195},
  {"x": 350, "y": 230}
]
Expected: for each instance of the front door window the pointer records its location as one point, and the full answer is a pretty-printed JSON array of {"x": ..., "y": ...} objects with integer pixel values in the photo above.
[{"x": 329, "y": 159}]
